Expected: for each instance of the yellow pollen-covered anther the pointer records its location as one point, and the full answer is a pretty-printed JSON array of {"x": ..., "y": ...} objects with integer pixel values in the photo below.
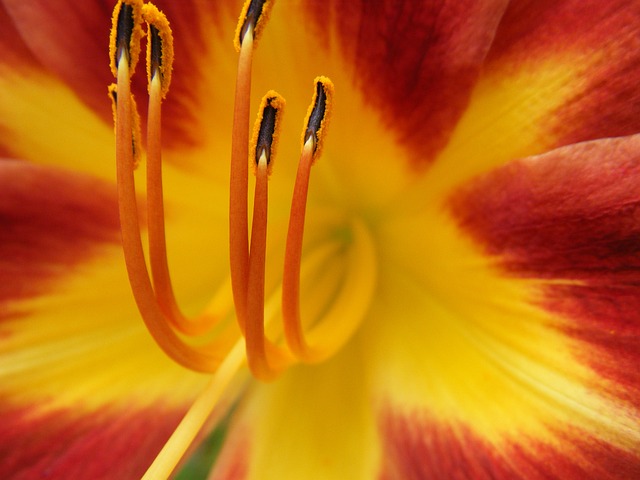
[
  {"x": 159, "y": 47},
  {"x": 318, "y": 115},
  {"x": 126, "y": 33},
  {"x": 266, "y": 131},
  {"x": 253, "y": 18}
]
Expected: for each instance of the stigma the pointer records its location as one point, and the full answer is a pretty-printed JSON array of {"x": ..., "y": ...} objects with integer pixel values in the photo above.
[{"x": 203, "y": 342}]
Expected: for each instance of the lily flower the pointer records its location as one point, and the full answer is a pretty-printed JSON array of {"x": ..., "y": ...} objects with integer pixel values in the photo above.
[{"x": 443, "y": 283}]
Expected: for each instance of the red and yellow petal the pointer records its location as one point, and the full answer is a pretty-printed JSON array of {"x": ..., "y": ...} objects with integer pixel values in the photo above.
[
  {"x": 601, "y": 40},
  {"x": 570, "y": 216},
  {"x": 415, "y": 63},
  {"x": 67, "y": 38},
  {"x": 84, "y": 390},
  {"x": 417, "y": 446},
  {"x": 451, "y": 353},
  {"x": 532, "y": 364}
]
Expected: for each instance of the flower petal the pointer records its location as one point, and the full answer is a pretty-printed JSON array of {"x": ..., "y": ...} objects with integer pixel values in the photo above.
[
  {"x": 62, "y": 444},
  {"x": 51, "y": 222},
  {"x": 80, "y": 377},
  {"x": 15, "y": 52},
  {"x": 418, "y": 447},
  {"x": 498, "y": 342},
  {"x": 416, "y": 62},
  {"x": 601, "y": 40},
  {"x": 41, "y": 120},
  {"x": 570, "y": 216},
  {"x": 68, "y": 39},
  {"x": 320, "y": 420}
]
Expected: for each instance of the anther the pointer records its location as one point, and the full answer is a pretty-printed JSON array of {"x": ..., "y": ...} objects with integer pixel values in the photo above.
[
  {"x": 252, "y": 19},
  {"x": 318, "y": 115},
  {"x": 159, "y": 47},
  {"x": 265, "y": 359},
  {"x": 126, "y": 32},
  {"x": 267, "y": 128},
  {"x": 313, "y": 134}
]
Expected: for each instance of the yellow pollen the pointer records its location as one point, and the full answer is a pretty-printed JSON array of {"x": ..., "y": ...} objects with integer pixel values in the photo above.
[
  {"x": 159, "y": 47},
  {"x": 266, "y": 130},
  {"x": 126, "y": 33},
  {"x": 252, "y": 20},
  {"x": 318, "y": 115}
]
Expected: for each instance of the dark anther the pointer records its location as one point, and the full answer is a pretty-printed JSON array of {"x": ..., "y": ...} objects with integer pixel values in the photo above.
[
  {"x": 124, "y": 30},
  {"x": 251, "y": 18},
  {"x": 267, "y": 129},
  {"x": 317, "y": 115},
  {"x": 156, "y": 50}
]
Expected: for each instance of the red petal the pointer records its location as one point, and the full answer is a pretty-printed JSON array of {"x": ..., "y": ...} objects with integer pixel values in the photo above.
[
  {"x": 414, "y": 61},
  {"x": 14, "y": 51},
  {"x": 66, "y": 444},
  {"x": 572, "y": 215},
  {"x": 601, "y": 35},
  {"x": 51, "y": 221},
  {"x": 416, "y": 447}
]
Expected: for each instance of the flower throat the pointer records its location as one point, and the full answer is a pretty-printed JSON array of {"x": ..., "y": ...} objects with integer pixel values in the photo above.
[{"x": 203, "y": 343}]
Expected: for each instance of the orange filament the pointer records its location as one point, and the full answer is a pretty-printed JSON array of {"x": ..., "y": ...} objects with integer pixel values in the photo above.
[
  {"x": 265, "y": 359},
  {"x": 238, "y": 184},
  {"x": 159, "y": 78},
  {"x": 293, "y": 257}
]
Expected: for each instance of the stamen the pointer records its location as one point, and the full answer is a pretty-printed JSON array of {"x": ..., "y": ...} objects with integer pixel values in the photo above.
[
  {"x": 202, "y": 358},
  {"x": 253, "y": 18},
  {"x": 154, "y": 294},
  {"x": 265, "y": 359},
  {"x": 266, "y": 131},
  {"x": 159, "y": 47},
  {"x": 313, "y": 135},
  {"x": 318, "y": 115},
  {"x": 126, "y": 33},
  {"x": 346, "y": 313}
]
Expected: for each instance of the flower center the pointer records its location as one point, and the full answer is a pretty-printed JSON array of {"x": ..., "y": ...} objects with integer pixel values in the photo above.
[{"x": 204, "y": 342}]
